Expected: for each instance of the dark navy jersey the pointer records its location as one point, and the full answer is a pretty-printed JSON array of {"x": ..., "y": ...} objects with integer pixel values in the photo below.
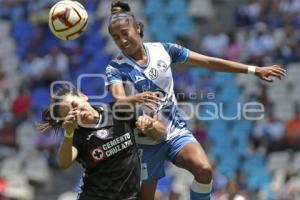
[{"x": 109, "y": 156}]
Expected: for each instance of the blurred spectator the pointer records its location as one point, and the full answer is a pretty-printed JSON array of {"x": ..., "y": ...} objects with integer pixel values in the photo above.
[
  {"x": 289, "y": 6},
  {"x": 200, "y": 133},
  {"x": 33, "y": 68},
  {"x": 248, "y": 13},
  {"x": 8, "y": 133},
  {"x": 22, "y": 105},
  {"x": 57, "y": 65},
  {"x": 206, "y": 86},
  {"x": 292, "y": 131},
  {"x": 5, "y": 99},
  {"x": 241, "y": 180},
  {"x": 13, "y": 9},
  {"x": 215, "y": 43},
  {"x": 274, "y": 17},
  {"x": 234, "y": 50},
  {"x": 181, "y": 182},
  {"x": 26, "y": 135},
  {"x": 269, "y": 133},
  {"x": 7, "y": 138},
  {"x": 47, "y": 143},
  {"x": 184, "y": 86},
  {"x": 260, "y": 42},
  {"x": 2, "y": 79},
  {"x": 3, "y": 187},
  {"x": 285, "y": 40}
]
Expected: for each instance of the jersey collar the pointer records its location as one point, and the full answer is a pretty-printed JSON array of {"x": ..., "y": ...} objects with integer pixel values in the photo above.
[
  {"x": 134, "y": 61},
  {"x": 105, "y": 116}
]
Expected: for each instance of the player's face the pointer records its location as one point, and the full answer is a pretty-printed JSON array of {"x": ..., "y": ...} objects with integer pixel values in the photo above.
[
  {"x": 125, "y": 34},
  {"x": 79, "y": 103}
]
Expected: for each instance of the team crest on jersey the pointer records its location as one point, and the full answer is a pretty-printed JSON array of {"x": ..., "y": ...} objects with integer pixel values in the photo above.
[
  {"x": 102, "y": 134},
  {"x": 98, "y": 154},
  {"x": 162, "y": 66},
  {"x": 153, "y": 73}
]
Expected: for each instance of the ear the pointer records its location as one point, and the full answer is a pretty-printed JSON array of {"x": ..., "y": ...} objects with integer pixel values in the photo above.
[{"x": 138, "y": 27}]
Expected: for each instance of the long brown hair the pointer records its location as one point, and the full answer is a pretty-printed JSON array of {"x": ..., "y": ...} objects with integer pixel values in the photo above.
[
  {"x": 50, "y": 115},
  {"x": 122, "y": 7}
]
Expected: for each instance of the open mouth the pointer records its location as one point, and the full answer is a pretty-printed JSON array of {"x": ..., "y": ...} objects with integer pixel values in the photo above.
[{"x": 126, "y": 46}]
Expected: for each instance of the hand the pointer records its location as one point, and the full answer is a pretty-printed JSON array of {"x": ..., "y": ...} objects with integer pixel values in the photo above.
[
  {"x": 70, "y": 122},
  {"x": 144, "y": 122},
  {"x": 264, "y": 73},
  {"x": 150, "y": 99}
]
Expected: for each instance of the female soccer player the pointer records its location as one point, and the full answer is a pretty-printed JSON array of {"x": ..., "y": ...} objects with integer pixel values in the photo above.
[
  {"x": 101, "y": 139},
  {"x": 147, "y": 67}
]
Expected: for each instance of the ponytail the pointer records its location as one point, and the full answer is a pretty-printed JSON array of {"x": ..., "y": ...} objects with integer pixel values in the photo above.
[
  {"x": 50, "y": 116},
  {"x": 49, "y": 122}
]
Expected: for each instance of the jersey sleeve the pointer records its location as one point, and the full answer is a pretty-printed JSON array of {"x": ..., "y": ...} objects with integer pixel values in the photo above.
[
  {"x": 113, "y": 75},
  {"x": 177, "y": 53}
]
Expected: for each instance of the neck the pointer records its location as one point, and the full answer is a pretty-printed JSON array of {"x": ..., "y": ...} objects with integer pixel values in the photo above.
[{"x": 140, "y": 55}]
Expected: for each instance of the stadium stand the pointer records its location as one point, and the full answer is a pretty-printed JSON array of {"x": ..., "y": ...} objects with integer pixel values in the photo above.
[{"x": 252, "y": 159}]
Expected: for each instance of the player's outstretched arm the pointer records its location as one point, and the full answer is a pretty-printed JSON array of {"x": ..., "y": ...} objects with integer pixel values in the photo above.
[
  {"x": 222, "y": 65},
  {"x": 151, "y": 127}
]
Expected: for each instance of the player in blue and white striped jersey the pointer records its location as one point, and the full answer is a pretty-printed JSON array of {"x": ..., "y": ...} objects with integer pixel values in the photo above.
[{"x": 146, "y": 66}]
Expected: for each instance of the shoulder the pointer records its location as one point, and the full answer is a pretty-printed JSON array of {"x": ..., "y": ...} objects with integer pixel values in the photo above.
[
  {"x": 119, "y": 62},
  {"x": 153, "y": 45}
]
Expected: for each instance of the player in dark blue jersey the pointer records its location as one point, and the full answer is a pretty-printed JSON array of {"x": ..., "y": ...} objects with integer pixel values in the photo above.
[
  {"x": 102, "y": 140},
  {"x": 147, "y": 68}
]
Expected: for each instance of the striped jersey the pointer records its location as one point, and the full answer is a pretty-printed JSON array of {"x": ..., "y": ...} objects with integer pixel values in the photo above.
[{"x": 155, "y": 76}]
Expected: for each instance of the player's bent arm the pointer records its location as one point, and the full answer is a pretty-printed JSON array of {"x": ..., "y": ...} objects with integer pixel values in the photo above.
[
  {"x": 216, "y": 64},
  {"x": 122, "y": 100},
  {"x": 67, "y": 153},
  {"x": 118, "y": 93}
]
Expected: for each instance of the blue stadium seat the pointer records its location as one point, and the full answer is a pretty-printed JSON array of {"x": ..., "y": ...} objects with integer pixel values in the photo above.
[
  {"x": 153, "y": 7},
  {"x": 176, "y": 6},
  {"x": 228, "y": 164},
  {"x": 259, "y": 179},
  {"x": 229, "y": 91},
  {"x": 91, "y": 5},
  {"x": 40, "y": 97},
  {"x": 159, "y": 28},
  {"x": 195, "y": 73},
  {"x": 40, "y": 100},
  {"x": 253, "y": 163},
  {"x": 221, "y": 78},
  {"x": 23, "y": 30},
  {"x": 182, "y": 25},
  {"x": 93, "y": 44},
  {"x": 216, "y": 128}
]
